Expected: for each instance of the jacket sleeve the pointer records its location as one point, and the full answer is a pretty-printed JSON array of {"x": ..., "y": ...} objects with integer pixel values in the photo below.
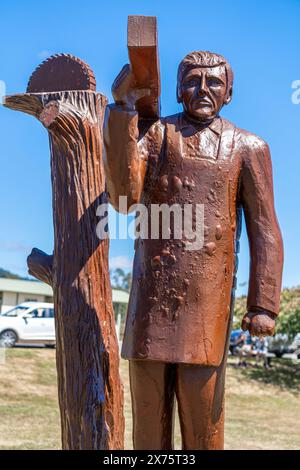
[
  {"x": 265, "y": 241},
  {"x": 125, "y": 155}
]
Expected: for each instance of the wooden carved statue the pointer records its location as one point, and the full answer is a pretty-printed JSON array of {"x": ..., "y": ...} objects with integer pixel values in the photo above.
[
  {"x": 180, "y": 308},
  {"x": 62, "y": 94}
]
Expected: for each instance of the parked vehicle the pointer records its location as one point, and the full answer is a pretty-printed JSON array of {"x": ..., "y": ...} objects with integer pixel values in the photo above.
[
  {"x": 281, "y": 344},
  {"x": 29, "y": 322},
  {"x": 295, "y": 345}
]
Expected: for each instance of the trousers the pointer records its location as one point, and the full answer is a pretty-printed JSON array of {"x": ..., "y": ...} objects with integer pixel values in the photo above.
[{"x": 199, "y": 391}]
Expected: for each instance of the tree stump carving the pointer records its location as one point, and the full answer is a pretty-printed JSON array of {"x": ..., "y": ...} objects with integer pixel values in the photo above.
[{"x": 89, "y": 386}]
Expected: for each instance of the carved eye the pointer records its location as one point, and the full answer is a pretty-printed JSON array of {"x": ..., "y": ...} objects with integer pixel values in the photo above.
[
  {"x": 214, "y": 82},
  {"x": 190, "y": 83}
]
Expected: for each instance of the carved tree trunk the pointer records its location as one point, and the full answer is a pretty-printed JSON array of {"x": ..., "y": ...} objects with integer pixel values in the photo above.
[{"x": 90, "y": 391}]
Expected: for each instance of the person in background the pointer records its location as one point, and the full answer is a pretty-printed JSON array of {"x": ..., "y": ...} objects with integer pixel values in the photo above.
[
  {"x": 244, "y": 349},
  {"x": 260, "y": 349}
]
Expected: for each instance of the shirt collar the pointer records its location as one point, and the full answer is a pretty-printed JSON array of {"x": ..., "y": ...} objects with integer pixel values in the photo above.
[{"x": 215, "y": 125}]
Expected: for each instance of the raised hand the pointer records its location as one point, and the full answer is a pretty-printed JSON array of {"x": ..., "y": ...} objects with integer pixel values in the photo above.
[{"x": 124, "y": 89}]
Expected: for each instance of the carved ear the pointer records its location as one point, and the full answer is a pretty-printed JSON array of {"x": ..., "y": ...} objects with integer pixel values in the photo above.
[
  {"x": 228, "y": 97},
  {"x": 178, "y": 93}
]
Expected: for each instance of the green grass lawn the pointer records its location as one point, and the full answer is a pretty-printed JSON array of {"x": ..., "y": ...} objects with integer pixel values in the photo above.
[{"x": 262, "y": 407}]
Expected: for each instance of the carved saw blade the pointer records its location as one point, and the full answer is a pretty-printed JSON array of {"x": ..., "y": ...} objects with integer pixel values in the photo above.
[{"x": 61, "y": 72}]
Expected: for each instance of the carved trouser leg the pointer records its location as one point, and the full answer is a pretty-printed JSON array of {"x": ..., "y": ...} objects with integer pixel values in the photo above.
[
  {"x": 199, "y": 392},
  {"x": 152, "y": 387},
  {"x": 201, "y": 415}
]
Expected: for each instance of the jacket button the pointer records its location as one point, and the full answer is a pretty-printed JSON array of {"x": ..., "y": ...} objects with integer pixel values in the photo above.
[
  {"x": 163, "y": 183},
  {"x": 177, "y": 183},
  {"x": 219, "y": 232},
  {"x": 156, "y": 262},
  {"x": 210, "y": 248}
]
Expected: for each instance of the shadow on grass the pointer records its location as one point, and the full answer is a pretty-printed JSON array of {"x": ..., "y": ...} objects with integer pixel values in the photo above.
[{"x": 282, "y": 374}]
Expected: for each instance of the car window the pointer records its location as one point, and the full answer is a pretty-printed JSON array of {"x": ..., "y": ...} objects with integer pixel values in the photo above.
[
  {"x": 14, "y": 312},
  {"x": 49, "y": 312},
  {"x": 42, "y": 313},
  {"x": 38, "y": 313}
]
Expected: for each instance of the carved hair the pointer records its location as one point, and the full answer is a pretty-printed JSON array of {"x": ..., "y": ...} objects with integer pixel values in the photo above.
[{"x": 203, "y": 59}]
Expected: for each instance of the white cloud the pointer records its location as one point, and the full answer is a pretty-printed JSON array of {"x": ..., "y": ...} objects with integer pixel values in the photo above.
[
  {"x": 122, "y": 262},
  {"x": 14, "y": 246}
]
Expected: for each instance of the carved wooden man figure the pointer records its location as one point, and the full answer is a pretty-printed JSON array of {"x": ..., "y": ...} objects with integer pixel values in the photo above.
[{"x": 179, "y": 313}]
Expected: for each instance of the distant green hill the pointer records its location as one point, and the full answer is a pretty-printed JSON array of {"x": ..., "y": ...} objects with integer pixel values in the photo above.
[
  {"x": 9, "y": 275},
  {"x": 289, "y": 317}
]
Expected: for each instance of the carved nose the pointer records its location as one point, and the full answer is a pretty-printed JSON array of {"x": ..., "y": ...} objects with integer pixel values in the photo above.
[{"x": 202, "y": 89}]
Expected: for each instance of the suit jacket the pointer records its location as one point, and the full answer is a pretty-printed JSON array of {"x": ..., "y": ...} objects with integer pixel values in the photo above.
[{"x": 179, "y": 307}]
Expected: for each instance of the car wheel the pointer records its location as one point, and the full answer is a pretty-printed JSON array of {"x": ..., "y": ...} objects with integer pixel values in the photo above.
[
  {"x": 8, "y": 338},
  {"x": 278, "y": 354}
]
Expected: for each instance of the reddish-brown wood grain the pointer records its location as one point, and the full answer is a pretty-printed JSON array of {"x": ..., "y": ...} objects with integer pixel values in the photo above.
[
  {"x": 143, "y": 56},
  {"x": 89, "y": 387}
]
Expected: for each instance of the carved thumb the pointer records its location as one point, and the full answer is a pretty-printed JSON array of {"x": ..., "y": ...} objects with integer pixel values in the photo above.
[{"x": 246, "y": 322}]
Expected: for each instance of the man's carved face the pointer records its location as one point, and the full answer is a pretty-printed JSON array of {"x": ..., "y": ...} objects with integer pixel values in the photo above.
[{"x": 204, "y": 91}]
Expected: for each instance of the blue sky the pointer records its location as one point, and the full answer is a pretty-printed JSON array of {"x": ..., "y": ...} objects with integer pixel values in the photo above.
[{"x": 261, "y": 41}]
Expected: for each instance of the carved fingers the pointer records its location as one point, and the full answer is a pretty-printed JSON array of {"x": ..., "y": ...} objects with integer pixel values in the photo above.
[
  {"x": 124, "y": 89},
  {"x": 259, "y": 323}
]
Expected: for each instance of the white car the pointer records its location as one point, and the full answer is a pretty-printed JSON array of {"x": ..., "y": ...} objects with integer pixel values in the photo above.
[{"x": 29, "y": 322}]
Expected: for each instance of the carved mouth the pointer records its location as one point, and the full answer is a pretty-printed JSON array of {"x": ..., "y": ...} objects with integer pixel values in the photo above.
[{"x": 202, "y": 104}]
